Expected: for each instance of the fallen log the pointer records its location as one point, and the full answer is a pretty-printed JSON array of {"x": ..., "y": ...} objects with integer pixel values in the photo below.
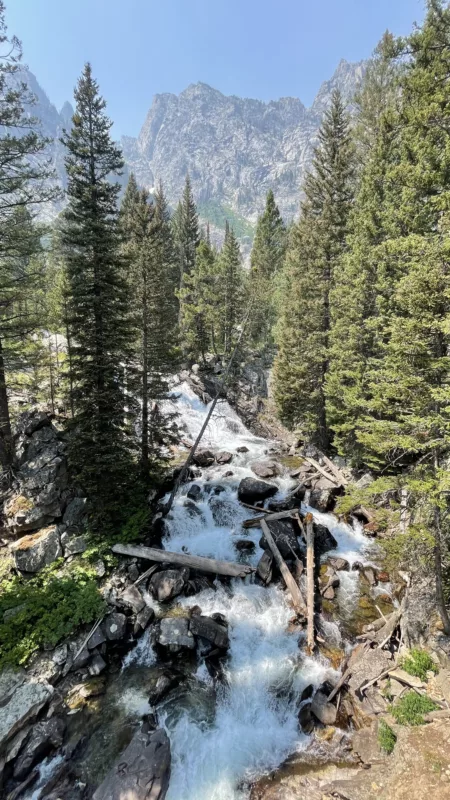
[
  {"x": 255, "y": 522},
  {"x": 336, "y": 472},
  {"x": 289, "y": 580},
  {"x": 201, "y": 563},
  {"x": 310, "y": 580},
  {"x": 326, "y": 474}
]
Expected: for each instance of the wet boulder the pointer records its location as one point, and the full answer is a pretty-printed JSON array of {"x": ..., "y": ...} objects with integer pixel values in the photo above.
[
  {"x": 164, "y": 684},
  {"x": 242, "y": 449},
  {"x": 323, "y": 540},
  {"x": 194, "y": 492},
  {"x": 203, "y": 458},
  {"x": 253, "y": 491},
  {"x": 324, "y": 711},
  {"x": 167, "y": 584},
  {"x": 192, "y": 509},
  {"x": 265, "y": 567},
  {"x": 224, "y": 457},
  {"x": 284, "y": 532},
  {"x": 35, "y": 551},
  {"x": 45, "y": 736},
  {"x": 323, "y": 495},
  {"x": 265, "y": 469},
  {"x": 141, "y": 772},
  {"x": 174, "y": 634},
  {"x": 209, "y": 629}
]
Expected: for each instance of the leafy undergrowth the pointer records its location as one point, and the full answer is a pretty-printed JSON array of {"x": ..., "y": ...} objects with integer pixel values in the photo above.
[
  {"x": 419, "y": 662},
  {"x": 45, "y": 609},
  {"x": 409, "y": 710},
  {"x": 386, "y": 737}
]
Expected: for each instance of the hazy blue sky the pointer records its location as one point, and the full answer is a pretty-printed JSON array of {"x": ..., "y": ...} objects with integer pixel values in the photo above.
[{"x": 252, "y": 48}]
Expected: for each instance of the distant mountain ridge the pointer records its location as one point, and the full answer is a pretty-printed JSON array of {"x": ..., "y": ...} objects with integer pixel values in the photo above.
[{"x": 234, "y": 148}]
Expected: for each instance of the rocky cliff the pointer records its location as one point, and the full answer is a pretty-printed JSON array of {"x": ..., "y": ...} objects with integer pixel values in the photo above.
[{"x": 234, "y": 148}]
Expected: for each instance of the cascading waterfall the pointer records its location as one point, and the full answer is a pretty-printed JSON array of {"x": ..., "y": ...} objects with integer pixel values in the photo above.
[{"x": 255, "y": 725}]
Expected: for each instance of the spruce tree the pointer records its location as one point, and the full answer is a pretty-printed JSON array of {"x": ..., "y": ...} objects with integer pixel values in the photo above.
[
  {"x": 187, "y": 231},
  {"x": 315, "y": 248},
  {"x": 230, "y": 292},
  {"x": 266, "y": 261},
  {"x": 199, "y": 303},
  {"x": 23, "y": 176},
  {"x": 98, "y": 303},
  {"x": 147, "y": 245}
]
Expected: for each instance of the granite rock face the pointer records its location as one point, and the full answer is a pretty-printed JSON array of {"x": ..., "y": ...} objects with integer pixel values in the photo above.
[{"x": 235, "y": 149}]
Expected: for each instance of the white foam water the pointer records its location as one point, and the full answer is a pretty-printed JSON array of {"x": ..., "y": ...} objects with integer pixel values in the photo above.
[{"x": 255, "y": 725}]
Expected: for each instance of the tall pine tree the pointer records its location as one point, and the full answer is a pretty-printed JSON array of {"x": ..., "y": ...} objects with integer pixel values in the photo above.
[
  {"x": 230, "y": 288},
  {"x": 99, "y": 319},
  {"x": 266, "y": 261},
  {"x": 316, "y": 246}
]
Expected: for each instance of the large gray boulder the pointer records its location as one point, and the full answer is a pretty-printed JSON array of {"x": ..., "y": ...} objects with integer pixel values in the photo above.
[
  {"x": 21, "y": 700},
  {"x": 203, "y": 458},
  {"x": 167, "y": 584},
  {"x": 265, "y": 469},
  {"x": 35, "y": 551},
  {"x": 174, "y": 634},
  {"x": 142, "y": 771},
  {"x": 253, "y": 491},
  {"x": 209, "y": 629}
]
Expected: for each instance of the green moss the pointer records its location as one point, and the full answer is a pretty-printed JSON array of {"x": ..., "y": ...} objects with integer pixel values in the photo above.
[
  {"x": 50, "y": 607},
  {"x": 386, "y": 737},
  {"x": 418, "y": 663},
  {"x": 409, "y": 710}
]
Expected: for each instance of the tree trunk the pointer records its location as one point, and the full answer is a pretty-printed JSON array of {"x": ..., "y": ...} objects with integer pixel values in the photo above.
[
  {"x": 6, "y": 440},
  {"x": 310, "y": 580}
]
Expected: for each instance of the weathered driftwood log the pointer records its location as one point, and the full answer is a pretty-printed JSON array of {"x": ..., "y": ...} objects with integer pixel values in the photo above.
[
  {"x": 336, "y": 472},
  {"x": 310, "y": 580},
  {"x": 288, "y": 578},
  {"x": 255, "y": 522},
  {"x": 195, "y": 562},
  {"x": 331, "y": 478}
]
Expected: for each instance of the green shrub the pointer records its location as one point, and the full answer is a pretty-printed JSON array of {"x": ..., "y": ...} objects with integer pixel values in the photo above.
[
  {"x": 409, "y": 710},
  {"x": 47, "y": 608},
  {"x": 386, "y": 737},
  {"x": 418, "y": 663}
]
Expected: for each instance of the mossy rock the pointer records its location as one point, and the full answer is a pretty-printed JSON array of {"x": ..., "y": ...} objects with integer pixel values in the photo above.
[{"x": 335, "y": 655}]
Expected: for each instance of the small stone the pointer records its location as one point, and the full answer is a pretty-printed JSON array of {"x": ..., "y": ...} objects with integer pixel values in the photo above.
[
  {"x": 166, "y": 585},
  {"x": 224, "y": 457},
  {"x": 305, "y": 719},
  {"x": 209, "y": 629},
  {"x": 339, "y": 563},
  {"x": 194, "y": 492},
  {"x": 203, "y": 458},
  {"x": 100, "y": 569},
  {"x": 74, "y": 546},
  {"x": 133, "y": 572},
  {"x": 145, "y": 616},
  {"x": 264, "y": 567},
  {"x": 175, "y": 635},
  {"x": 97, "y": 665}
]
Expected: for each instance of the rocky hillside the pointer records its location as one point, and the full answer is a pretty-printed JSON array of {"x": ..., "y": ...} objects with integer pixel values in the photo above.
[{"x": 234, "y": 148}]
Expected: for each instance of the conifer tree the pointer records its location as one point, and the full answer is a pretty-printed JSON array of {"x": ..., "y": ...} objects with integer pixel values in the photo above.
[
  {"x": 199, "y": 301},
  {"x": 266, "y": 261},
  {"x": 316, "y": 246},
  {"x": 230, "y": 288},
  {"x": 147, "y": 244},
  {"x": 99, "y": 320},
  {"x": 23, "y": 174},
  {"x": 187, "y": 230}
]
